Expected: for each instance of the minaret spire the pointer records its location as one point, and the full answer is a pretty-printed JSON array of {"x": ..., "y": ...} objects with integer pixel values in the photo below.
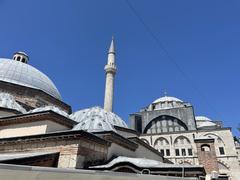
[
  {"x": 112, "y": 48},
  {"x": 110, "y": 69}
]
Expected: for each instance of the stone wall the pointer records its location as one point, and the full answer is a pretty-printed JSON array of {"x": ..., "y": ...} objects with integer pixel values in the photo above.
[
  {"x": 73, "y": 153},
  {"x": 227, "y": 162},
  {"x": 207, "y": 157},
  {"x": 30, "y": 128},
  {"x": 185, "y": 114}
]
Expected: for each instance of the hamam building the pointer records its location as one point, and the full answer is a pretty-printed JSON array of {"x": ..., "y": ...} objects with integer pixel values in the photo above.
[{"x": 38, "y": 129}]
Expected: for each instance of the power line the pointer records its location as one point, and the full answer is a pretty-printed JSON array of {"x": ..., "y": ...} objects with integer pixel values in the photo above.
[{"x": 165, "y": 51}]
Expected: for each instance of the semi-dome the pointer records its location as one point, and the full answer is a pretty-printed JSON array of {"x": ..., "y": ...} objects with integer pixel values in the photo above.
[
  {"x": 96, "y": 119},
  {"x": 8, "y": 101},
  {"x": 20, "y": 73}
]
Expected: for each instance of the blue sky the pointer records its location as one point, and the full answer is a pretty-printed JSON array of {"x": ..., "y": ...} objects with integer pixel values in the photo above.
[{"x": 68, "y": 40}]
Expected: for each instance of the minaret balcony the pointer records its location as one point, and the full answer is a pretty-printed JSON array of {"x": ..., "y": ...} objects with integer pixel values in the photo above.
[{"x": 110, "y": 68}]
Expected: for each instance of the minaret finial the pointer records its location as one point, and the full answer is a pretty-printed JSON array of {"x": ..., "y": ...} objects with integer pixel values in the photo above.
[
  {"x": 110, "y": 70},
  {"x": 112, "y": 48}
]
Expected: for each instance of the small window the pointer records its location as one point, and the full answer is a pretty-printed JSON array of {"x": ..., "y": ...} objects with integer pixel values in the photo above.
[
  {"x": 18, "y": 58},
  {"x": 183, "y": 152},
  {"x": 177, "y": 152},
  {"x": 162, "y": 151},
  {"x": 153, "y": 107},
  {"x": 190, "y": 152},
  {"x": 23, "y": 60},
  {"x": 167, "y": 152},
  {"x": 205, "y": 148},
  {"x": 221, "y": 150}
]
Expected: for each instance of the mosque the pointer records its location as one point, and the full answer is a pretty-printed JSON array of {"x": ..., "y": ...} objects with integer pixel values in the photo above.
[{"x": 164, "y": 140}]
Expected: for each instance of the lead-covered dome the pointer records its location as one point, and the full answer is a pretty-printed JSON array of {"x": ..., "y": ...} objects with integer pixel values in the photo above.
[
  {"x": 202, "y": 118},
  {"x": 203, "y": 122},
  {"x": 167, "y": 99},
  {"x": 16, "y": 72},
  {"x": 96, "y": 119},
  {"x": 166, "y": 102}
]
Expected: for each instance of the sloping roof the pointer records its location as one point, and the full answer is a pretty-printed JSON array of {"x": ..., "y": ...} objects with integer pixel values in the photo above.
[
  {"x": 37, "y": 116},
  {"x": 50, "y": 108},
  {"x": 20, "y": 155},
  {"x": 8, "y": 101},
  {"x": 54, "y": 136},
  {"x": 140, "y": 162}
]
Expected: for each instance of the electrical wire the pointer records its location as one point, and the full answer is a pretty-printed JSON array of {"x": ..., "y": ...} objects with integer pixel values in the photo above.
[{"x": 167, "y": 54}]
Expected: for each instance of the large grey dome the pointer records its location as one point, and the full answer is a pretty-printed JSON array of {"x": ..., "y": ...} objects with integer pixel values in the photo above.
[
  {"x": 23, "y": 74},
  {"x": 167, "y": 99},
  {"x": 166, "y": 102},
  {"x": 96, "y": 119}
]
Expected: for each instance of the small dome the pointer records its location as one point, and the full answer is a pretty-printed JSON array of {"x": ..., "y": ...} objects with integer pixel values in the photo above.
[
  {"x": 21, "y": 52},
  {"x": 167, "y": 99},
  {"x": 52, "y": 108},
  {"x": 202, "y": 118},
  {"x": 96, "y": 119},
  {"x": 19, "y": 73},
  {"x": 203, "y": 121},
  {"x": 8, "y": 101}
]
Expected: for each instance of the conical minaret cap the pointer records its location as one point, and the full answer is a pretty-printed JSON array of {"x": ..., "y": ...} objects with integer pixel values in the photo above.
[{"x": 112, "y": 48}]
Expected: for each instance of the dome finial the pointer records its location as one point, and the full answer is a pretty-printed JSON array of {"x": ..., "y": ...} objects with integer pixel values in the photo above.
[{"x": 165, "y": 93}]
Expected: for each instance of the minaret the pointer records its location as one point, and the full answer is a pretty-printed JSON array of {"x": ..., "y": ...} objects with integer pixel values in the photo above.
[{"x": 110, "y": 70}]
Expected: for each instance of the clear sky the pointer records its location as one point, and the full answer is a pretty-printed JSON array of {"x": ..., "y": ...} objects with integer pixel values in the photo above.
[{"x": 68, "y": 40}]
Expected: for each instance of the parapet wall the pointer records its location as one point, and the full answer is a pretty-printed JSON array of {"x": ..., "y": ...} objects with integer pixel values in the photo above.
[{"x": 10, "y": 172}]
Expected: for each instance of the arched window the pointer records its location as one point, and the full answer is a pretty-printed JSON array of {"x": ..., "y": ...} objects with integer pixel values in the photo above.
[
  {"x": 205, "y": 148},
  {"x": 162, "y": 145},
  {"x": 165, "y": 123},
  {"x": 182, "y": 146},
  {"x": 219, "y": 144}
]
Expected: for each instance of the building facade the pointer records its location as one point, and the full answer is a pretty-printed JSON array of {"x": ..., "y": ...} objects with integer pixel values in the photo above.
[
  {"x": 170, "y": 126},
  {"x": 37, "y": 128}
]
